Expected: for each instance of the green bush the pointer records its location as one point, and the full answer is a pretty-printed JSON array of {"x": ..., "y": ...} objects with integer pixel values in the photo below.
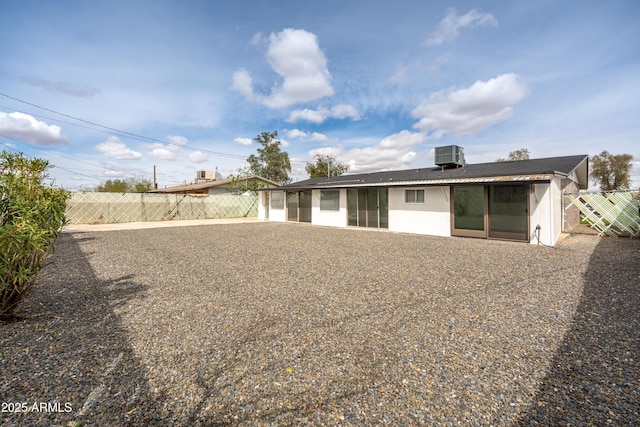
[{"x": 31, "y": 217}]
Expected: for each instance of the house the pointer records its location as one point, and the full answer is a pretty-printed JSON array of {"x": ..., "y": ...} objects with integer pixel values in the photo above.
[
  {"x": 210, "y": 184},
  {"x": 514, "y": 200}
]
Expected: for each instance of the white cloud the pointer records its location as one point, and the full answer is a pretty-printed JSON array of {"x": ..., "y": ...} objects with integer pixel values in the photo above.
[
  {"x": 243, "y": 83},
  {"x": 171, "y": 151},
  {"x": 450, "y": 25},
  {"x": 470, "y": 110},
  {"x": 163, "y": 153},
  {"x": 341, "y": 111},
  {"x": 401, "y": 74},
  {"x": 177, "y": 140},
  {"x": 416, "y": 69},
  {"x": 393, "y": 152},
  {"x": 72, "y": 89},
  {"x": 297, "y": 133},
  {"x": 257, "y": 39},
  {"x": 296, "y": 56},
  {"x": 314, "y": 136},
  {"x": 23, "y": 127},
  {"x": 319, "y": 137},
  {"x": 243, "y": 141},
  {"x": 116, "y": 149},
  {"x": 198, "y": 157},
  {"x": 314, "y": 116},
  {"x": 439, "y": 62}
]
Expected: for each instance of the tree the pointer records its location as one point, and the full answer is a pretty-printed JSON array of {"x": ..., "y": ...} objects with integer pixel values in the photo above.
[
  {"x": 129, "y": 185},
  {"x": 271, "y": 162},
  {"x": 521, "y": 154},
  {"x": 613, "y": 172},
  {"x": 241, "y": 182},
  {"x": 326, "y": 165}
]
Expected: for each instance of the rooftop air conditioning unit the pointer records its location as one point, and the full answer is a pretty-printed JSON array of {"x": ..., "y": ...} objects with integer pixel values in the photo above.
[
  {"x": 450, "y": 155},
  {"x": 206, "y": 175}
]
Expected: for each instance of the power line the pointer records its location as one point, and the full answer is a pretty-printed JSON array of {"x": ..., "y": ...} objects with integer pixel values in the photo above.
[
  {"x": 74, "y": 171},
  {"x": 109, "y": 129},
  {"x": 129, "y": 134},
  {"x": 67, "y": 157},
  {"x": 77, "y": 173},
  {"x": 4, "y": 107}
]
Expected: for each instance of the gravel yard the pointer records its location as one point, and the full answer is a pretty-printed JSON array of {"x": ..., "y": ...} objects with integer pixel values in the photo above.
[{"x": 288, "y": 324}]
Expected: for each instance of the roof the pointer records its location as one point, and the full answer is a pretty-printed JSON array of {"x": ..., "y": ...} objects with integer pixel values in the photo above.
[
  {"x": 534, "y": 170},
  {"x": 209, "y": 184}
]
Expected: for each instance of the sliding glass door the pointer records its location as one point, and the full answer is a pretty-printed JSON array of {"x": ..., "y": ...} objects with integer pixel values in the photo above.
[
  {"x": 368, "y": 207},
  {"x": 508, "y": 212},
  {"x": 469, "y": 211},
  {"x": 491, "y": 211},
  {"x": 292, "y": 205},
  {"x": 299, "y": 206},
  {"x": 304, "y": 206}
]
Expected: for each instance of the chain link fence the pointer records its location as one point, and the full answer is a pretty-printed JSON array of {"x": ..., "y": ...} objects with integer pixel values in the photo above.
[{"x": 107, "y": 208}]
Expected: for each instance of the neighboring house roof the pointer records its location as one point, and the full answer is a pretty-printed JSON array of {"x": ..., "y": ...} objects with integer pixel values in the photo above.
[
  {"x": 536, "y": 170},
  {"x": 210, "y": 184}
]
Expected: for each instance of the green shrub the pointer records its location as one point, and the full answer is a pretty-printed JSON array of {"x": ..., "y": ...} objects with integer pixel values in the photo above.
[{"x": 31, "y": 217}]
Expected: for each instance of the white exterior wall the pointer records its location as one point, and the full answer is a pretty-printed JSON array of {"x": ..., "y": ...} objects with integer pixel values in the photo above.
[
  {"x": 328, "y": 218},
  {"x": 261, "y": 212},
  {"x": 545, "y": 206},
  {"x": 557, "y": 207},
  {"x": 218, "y": 190},
  {"x": 433, "y": 217},
  {"x": 277, "y": 215}
]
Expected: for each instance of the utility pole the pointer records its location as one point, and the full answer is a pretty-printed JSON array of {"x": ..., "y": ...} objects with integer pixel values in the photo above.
[{"x": 155, "y": 183}]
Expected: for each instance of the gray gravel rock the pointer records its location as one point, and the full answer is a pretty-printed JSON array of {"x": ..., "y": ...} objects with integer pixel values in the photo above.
[{"x": 288, "y": 324}]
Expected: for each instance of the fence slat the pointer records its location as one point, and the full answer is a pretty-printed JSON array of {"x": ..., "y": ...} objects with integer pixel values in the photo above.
[{"x": 610, "y": 213}]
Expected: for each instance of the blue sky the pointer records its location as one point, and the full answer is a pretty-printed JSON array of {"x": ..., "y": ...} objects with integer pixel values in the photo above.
[{"x": 377, "y": 85}]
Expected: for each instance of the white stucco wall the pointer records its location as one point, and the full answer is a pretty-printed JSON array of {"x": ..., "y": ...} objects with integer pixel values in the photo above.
[
  {"x": 545, "y": 205},
  {"x": 277, "y": 215},
  {"x": 328, "y": 218},
  {"x": 431, "y": 217},
  {"x": 556, "y": 209},
  {"x": 261, "y": 198}
]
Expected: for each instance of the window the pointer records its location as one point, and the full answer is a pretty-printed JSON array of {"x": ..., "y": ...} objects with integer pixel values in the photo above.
[
  {"x": 329, "y": 200},
  {"x": 277, "y": 200},
  {"x": 414, "y": 196}
]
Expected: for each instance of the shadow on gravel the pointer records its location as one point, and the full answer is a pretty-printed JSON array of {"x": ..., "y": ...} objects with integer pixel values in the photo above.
[
  {"x": 68, "y": 360},
  {"x": 595, "y": 377}
]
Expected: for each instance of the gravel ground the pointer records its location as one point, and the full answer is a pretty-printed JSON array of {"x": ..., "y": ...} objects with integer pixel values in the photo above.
[{"x": 288, "y": 324}]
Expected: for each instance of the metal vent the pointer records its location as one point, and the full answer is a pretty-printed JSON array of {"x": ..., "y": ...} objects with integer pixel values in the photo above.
[{"x": 450, "y": 155}]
